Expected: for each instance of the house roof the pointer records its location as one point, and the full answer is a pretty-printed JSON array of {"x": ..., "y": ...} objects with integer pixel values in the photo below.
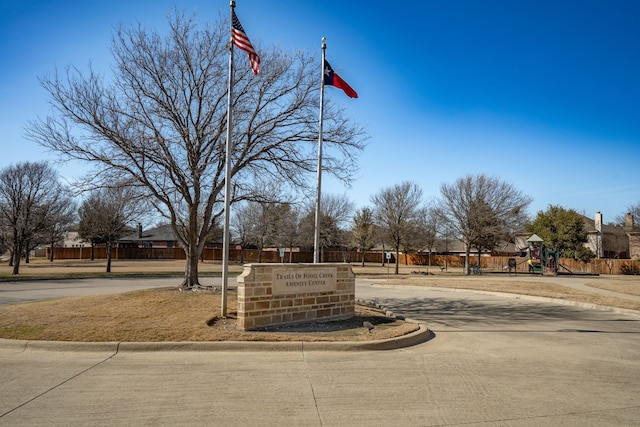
[
  {"x": 163, "y": 233},
  {"x": 590, "y": 227}
]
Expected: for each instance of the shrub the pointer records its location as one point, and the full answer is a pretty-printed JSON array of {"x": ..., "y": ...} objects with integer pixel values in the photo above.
[{"x": 631, "y": 269}]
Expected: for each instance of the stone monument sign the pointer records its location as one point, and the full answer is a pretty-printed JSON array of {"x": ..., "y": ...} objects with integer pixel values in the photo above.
[{"x": 276, "y": 294}]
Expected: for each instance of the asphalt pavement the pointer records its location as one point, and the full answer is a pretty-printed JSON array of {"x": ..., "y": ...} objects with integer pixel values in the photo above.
[{"x": 492, "y": 360}]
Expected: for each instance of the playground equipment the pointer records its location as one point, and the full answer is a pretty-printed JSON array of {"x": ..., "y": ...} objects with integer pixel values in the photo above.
[{"x": 541, "y": 258}]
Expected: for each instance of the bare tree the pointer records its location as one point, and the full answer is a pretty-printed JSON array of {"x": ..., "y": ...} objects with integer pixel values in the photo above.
[
  {"x": 396, "y": 212},
  {"x": 363, "y": 231},
  {"x": 426, "y": 231},
  {"x": 286, "y": 229},
  {"x": 161, "y": 121},
  {"x": 26, "y": 192},
  {"x": 53, "y": 219},
  {"x": 477, "y": 208},
  {"x": 257, "y": 221},
  {"x": 336, "y": 211},
  {"x": 4, "y": 237},
  {"x": 421, "y": 233},
  {"x": 60, "y": 215},
  {"x": 242, "y": 227},
  {"x": 106, "y": 214},
  {"x": 445, "y": 234},
  {"x": 634, "y": 210}
]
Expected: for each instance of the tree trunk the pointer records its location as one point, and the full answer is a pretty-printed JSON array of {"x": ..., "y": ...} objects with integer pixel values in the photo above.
[
  {"x": 93, "y": 254},
  {"x": 51, "y": 253},
  {"x": 466, "y": 259},
  {"x": 363, "y": 257},
  {"x": 109, "y": 257},
  {"x": 191, "y": 280},
  {"x": 17, "y": 254},
  {"x": 397, "y": 260}
]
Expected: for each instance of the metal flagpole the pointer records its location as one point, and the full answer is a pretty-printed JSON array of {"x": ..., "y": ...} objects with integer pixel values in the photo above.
[
  {"x": 316, "y": 238},
  {"x": 227, "y": 173}
]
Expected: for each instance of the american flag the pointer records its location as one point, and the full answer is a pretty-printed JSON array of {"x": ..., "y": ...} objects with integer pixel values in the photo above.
[{"x": 241, "y": 40}]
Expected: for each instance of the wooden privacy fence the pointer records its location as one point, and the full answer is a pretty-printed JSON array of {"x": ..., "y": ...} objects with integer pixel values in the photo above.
[
  {"x": 208, "y": 254},
  {"x": 118, "y": 253},
  {"x": 501, "y": 264},
  {"x": 487, "y": 263}
]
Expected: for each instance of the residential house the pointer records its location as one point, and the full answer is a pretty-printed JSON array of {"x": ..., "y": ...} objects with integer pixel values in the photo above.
[
  {"x": 633, "y": 235},
  {"x": 158, "y": 237}
]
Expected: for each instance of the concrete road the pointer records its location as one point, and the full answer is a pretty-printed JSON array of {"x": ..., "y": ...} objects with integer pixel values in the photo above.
[
  {"x": 493, "y": 361},
  {"x": 35, "y": 290}
]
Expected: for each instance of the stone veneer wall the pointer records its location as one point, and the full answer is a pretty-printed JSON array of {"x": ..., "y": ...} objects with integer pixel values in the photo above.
[
  {"x": 277, "y": 294},
  {"x": 634, "y": 244}
]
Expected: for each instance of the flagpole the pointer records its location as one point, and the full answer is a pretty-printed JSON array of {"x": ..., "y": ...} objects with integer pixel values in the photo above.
[
  {"x": 316, "y": 238},
  {"x": 227, "y": 172}
]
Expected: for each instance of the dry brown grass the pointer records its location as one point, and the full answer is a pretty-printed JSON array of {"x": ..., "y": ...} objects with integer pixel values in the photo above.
[
  {"x": 629, "y": 285},
  {"x": 156, "y": 315}
]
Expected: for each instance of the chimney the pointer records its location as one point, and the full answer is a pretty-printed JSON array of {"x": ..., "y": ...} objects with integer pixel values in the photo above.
[
  {"x": 139, "y": 231},
  {"x": 598, "y": 222},
  {"x": 628, "y": 222}
]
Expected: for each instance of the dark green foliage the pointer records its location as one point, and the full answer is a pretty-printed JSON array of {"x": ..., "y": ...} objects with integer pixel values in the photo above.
[
  {"x": 561, "y": 229},
  {"x": 580, "y": 254}
]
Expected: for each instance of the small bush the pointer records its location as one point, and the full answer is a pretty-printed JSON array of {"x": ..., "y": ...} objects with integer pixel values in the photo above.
[{"x": 631, "y": 269}]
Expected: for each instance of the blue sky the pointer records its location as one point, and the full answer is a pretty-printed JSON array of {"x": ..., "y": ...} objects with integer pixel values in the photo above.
[{"x": 542, "y": 94}]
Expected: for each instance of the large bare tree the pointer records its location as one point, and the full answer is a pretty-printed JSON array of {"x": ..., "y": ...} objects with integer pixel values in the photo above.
[
  {"x": 397, "y": 212},
  {"x": 160, "y": 121},
  {"x": 479, "y": 209}
]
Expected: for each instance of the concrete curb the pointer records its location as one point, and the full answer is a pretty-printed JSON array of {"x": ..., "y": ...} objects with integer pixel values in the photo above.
[{"x": 423, "y": 334}]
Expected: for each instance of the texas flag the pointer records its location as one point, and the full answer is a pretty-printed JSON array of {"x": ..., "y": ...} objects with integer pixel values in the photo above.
[{"x": 333, "y": 79}]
